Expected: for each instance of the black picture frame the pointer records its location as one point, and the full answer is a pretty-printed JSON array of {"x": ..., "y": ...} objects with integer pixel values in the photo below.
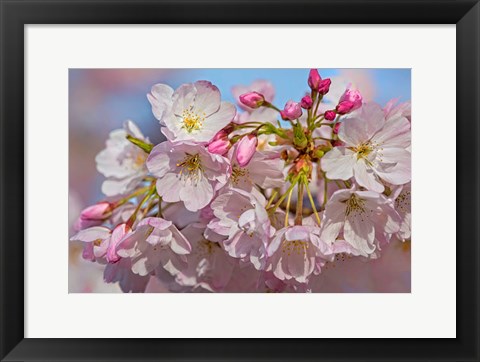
[{"x": 15, "y": 14}]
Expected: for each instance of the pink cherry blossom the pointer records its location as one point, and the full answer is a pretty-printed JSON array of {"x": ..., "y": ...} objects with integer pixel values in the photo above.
[
  {"x": 101, "y": 241},
  {"x": 294, "y": 251},
  {"x": 155, "y": 243},
  {"x": 265, "y": 170},
  {"x": 374, "y": 150},
  {"x": 121, "y": 162},
  {"x": 187, "y": 172},
  {"x": 209, "y": 266},
  {"x": 96, "y": 241},
  {"x": 122, "y": 274},
  {"x": 291, "y": 111},
  {"x": 360, "y": 215},
  {"x": 194, "y": 112},
  {"x": 352, "y": 96},
  {"x": 401, "y": 197},
  {"x": 242, "y": 218}
]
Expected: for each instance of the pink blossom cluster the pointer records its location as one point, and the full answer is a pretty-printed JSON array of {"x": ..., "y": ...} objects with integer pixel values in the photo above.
[{"x": 249, "y": 197}]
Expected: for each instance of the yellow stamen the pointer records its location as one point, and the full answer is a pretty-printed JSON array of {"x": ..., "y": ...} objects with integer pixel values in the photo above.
[
  {"x": 295, "y": 246},
  {"x": 363, "y": 150},
  {"x": 191, "y": 120},
  {"x": 191, "y": 166}
]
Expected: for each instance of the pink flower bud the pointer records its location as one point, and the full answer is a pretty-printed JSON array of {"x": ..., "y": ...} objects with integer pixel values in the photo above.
[
  {"x": 336, "y": 127},
  {"x": 330, "y": 115},
  {"x": 246, "y": 149},
  {"x": 353, "y": 96},
  {"x": 117, "y": 235},
  {"x": 219, "y": 145},
  {"x": 99, "y": 211},
  {"x": 93, "y": 215},
  {"x": 345, "y": 107},
  {"x": 314, "y": 79},
  {"x": 252, "y": 99},
  {"x": 324, "y": 86},
  {"x": 291, "y": 111},
  {"x": 306, "y": 102}
]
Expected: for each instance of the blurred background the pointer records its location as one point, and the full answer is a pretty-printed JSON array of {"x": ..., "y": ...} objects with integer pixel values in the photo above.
[{"x": 100, "y": 100}]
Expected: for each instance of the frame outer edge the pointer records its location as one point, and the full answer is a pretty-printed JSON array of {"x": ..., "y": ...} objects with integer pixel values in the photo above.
[
  {"x": 11, "y": 105},
  {"x": 468, "y": 178},
  {"x": 11, "y": 178}
]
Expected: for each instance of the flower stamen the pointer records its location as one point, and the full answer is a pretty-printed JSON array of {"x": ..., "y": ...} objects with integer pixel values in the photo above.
[
  {"x": 363, "y": 150},
  {"x": 191, "y": 120},
  {"x": 355, "y": 204},
  {"x": 295, "y": 246},
  {"x": 191, "y": 167}
]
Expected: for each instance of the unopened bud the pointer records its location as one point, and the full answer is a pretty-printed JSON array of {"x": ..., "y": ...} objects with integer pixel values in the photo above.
[
  {"x": 252, "y": 99},
  {"x": 246, "y": 149},
  {"x": 306, "y": 102},
  {"x": 330, "y": 115}
]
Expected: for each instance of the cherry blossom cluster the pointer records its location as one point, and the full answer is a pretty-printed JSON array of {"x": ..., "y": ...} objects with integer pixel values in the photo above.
[{"x": 249, "y": 197}]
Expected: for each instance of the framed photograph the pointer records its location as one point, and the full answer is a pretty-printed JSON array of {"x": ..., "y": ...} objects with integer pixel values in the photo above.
[{"x": 219, "y": 181}]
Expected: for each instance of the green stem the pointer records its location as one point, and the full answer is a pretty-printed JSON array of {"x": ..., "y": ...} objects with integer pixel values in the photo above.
[
  {"x": 274, "y": 194},
  {"x": 318, "y": 103},
  {"x": 270, "y": 105},
  {"x": 132, "y": 218},
  {"x": 133, "y": 194},
  {"x": 280, "y": 200},
  {"x": 310, "y": 118},
  {"x": 287, "y": 211},
  {"x": 311, "y": 201},
  {"x": 322, "y": 138}
]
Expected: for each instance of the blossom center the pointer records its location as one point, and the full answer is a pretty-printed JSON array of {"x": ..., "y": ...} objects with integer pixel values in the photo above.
[
  {"x": 363, "y": 150},
  {"x": 238, "y": 173},
  {"x": 207, "y": 247},
  {"x": 191, "y": 120},
  {"x": 355, "y": 205},
  {"x": 295, "y": 246},
  {"x": 191, "y": 167}
]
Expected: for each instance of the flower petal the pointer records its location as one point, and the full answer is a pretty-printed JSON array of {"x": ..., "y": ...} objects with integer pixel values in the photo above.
[
  {"x": 207, "y": 99},
  {"x": 168, "y": 187},
  {"x": 196, "y": 195},
  {"x": 365, "y": 176},
  {"x": 338, "y": 163}
]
